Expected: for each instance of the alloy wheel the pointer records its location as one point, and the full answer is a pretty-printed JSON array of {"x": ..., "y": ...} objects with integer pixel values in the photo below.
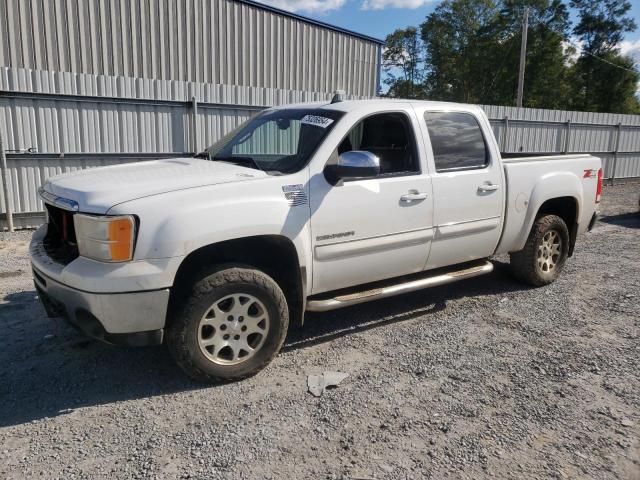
[
  {"x": 233, "y": 329},
  {"x": 549, "y": 251}
]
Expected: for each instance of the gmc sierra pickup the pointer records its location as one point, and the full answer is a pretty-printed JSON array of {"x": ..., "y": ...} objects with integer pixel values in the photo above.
[{"x": 305, "y": 207}]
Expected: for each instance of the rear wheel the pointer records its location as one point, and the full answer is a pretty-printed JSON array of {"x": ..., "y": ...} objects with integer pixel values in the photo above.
[
  {"x": 545, "y": 253},
  {"x": 230, "y": 327}
]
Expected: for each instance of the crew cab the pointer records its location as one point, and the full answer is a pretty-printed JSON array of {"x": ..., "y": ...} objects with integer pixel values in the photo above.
[{"x": 306, "y": 207}]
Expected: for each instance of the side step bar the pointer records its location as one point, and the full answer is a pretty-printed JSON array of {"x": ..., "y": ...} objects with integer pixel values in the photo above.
[{"x": 348, "y": 299}]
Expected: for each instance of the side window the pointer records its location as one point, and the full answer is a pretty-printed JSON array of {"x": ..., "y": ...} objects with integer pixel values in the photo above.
[
  {"x": 390, "y": 137},
  {"x": 457, "y": 141}
]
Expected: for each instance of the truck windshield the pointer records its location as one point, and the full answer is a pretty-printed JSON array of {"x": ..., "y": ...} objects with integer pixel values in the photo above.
[{"x": 275, "y": 141}]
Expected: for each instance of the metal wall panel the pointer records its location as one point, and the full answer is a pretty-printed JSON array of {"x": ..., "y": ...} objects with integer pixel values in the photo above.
[
  {"x": 629, "y": 139},
  {"x": 627, "y": 165},
  {"x": 530, "y": 137},
  {"x": 559, "y": 116},
  {"x": 208, "y": 41},
  {"x": 532, "y": 131},
  {"x": 72, "y": 126}
]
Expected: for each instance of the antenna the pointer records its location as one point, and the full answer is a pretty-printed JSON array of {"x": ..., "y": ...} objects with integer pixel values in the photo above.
[{"x": 338, "y": 96}]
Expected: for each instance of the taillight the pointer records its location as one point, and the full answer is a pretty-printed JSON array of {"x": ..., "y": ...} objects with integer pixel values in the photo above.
[{"x": 599, "y": 187}]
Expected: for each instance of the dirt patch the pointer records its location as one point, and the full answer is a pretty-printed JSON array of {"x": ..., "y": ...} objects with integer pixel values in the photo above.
[{"x": 15, "y": 273}]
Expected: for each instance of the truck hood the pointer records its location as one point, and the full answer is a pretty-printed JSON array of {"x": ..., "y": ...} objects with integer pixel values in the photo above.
[{"x": 97, "y": 190}]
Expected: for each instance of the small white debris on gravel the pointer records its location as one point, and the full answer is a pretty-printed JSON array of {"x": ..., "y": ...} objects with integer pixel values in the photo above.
[
  {"x": 318, "y": 384},
  {"x": 450, "y": 382}
]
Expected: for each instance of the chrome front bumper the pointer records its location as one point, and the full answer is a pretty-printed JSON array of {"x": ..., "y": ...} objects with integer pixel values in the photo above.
[{"x": 129, "y": 318}]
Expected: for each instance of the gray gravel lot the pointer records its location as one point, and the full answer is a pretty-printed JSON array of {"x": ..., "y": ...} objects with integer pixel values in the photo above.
[{"x": 484, "y": 378}]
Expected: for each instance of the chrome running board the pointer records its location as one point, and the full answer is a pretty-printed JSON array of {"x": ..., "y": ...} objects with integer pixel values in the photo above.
[{"x": 348, "y": 299}]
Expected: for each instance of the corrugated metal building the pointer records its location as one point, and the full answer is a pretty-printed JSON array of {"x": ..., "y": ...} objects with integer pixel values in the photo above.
[
  {"x": 94, "y": 82},
  {"x": 227, "y": 42}
]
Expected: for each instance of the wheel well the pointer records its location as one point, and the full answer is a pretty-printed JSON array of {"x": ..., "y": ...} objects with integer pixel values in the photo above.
[
  {"x": 275, "y": 255},
  {"x": 567, "y": 209}
]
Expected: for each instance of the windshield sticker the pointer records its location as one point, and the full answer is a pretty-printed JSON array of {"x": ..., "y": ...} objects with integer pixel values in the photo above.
[{"x": 316, "y": 120}]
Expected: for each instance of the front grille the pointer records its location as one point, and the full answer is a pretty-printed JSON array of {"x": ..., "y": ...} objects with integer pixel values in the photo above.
[{"x": 60, "y": 240}]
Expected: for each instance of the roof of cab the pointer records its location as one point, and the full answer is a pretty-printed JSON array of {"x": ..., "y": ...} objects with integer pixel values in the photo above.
[{"x": 351, "y": 105}]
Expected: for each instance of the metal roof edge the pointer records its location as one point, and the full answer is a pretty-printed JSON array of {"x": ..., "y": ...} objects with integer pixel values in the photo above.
[{"x": 312, "y": 21}]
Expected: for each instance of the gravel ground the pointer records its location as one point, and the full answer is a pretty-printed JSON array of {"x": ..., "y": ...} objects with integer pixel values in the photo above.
[{"x": 484, "y": 378}]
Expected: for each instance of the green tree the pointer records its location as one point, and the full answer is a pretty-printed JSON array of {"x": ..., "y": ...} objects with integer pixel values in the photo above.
[
  {"x": 602, "y": 24},
  {"x": 403, "y": 63},
  {"x": 607, "y": 83},
  {"x": 460, "y": 50},
  {"x": 546, "y": 83},
  {"x": 401, "y": 88},
  {"x": 473, "y": 52},
  {"x": 469, "y": 51},
  {"x": 604, "y": 80}
]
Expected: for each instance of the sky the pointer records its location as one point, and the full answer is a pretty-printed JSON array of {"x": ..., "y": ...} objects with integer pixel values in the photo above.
[{"x": 378, "y": 18}]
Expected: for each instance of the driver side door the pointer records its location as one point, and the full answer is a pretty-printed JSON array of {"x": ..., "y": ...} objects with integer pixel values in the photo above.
[{"x": 369, "y": 229}]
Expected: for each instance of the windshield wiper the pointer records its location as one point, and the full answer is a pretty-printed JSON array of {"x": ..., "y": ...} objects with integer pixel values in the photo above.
[
  {"x": 244, "y": 161},
  {"x": 204, "y": 155}
]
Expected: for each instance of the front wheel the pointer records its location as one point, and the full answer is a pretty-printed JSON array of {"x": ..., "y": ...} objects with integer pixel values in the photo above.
[
  {"x": 545, "y": 253},
  {"x": 230, "y": 327}
]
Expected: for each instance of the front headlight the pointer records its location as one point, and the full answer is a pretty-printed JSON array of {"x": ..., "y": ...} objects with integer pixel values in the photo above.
[{"x": 107, "y": 239}]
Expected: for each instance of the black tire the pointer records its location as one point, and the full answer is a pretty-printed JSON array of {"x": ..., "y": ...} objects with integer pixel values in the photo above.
[
  {"x": 185, "y": 330},
  {"x": 525, "y": 264}
]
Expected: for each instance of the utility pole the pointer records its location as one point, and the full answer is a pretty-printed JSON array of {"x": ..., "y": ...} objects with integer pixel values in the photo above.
[{"x": 523, "y": 56}]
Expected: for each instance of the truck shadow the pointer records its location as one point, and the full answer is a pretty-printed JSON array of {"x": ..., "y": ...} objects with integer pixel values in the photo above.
[
  {"x": 628, "y": 220},
  {"x": 324, "y": 327},
  {"x": 48, "y": 369}
]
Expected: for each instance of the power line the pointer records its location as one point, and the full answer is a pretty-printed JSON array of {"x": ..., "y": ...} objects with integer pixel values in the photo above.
[
  {"x": 601, "y": 59},
  {"x": 611, "y": 63}
]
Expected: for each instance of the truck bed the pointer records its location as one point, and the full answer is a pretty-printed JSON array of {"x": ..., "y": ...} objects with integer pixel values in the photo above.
[
  {"x": 530, "y": 179},
  {"x": 516, "y": 158}
]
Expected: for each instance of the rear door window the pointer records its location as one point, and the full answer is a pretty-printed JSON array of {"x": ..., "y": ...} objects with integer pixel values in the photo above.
[{"x": 456, "y": 140}]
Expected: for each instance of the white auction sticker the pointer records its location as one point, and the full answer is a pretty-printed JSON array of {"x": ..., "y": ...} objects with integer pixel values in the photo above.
[{"x": 317, "y": 120}]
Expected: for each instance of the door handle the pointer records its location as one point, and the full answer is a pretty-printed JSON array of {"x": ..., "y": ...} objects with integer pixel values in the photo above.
[
  {"x": 413, "y": 196},
  {"x": 488, "y": 187}
]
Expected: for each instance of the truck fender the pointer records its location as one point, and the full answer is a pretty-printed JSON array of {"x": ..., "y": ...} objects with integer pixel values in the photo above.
[{"x": 551, "y": 185}]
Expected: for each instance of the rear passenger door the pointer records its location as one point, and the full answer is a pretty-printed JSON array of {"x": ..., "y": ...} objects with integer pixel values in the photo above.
[{"x": 468, "y": 187}]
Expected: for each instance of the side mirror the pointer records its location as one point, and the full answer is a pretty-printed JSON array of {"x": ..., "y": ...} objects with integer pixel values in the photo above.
[{"x": 355, "y": 164}]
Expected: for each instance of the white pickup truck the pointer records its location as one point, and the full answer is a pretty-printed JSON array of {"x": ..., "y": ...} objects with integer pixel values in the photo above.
[{"x": 305, "y": 207}]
